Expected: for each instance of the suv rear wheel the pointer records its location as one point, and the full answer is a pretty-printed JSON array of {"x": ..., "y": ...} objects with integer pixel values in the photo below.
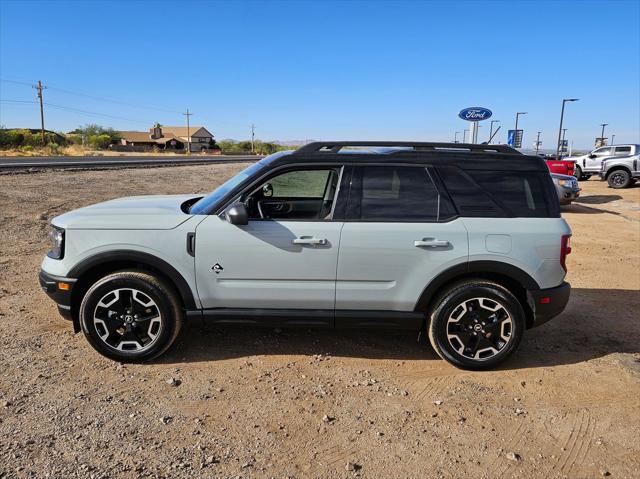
[
  {"x": 476, "y": 324},
  {"x": 130, "y": 316}
]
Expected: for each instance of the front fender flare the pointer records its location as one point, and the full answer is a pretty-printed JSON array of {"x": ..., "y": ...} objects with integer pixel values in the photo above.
[{"x": 138, "y": 257}]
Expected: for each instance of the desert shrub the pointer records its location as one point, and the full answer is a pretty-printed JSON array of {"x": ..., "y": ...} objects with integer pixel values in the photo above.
[{"x": 99, "y": 141}]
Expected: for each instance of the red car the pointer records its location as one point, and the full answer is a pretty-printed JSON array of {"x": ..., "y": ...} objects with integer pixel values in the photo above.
[{"x": 561, "y": 167}]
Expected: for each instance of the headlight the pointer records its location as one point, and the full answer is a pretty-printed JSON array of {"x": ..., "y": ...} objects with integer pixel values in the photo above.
[
  {"x": 566, "y": 183},
  {"x": 56, "y": 240}
]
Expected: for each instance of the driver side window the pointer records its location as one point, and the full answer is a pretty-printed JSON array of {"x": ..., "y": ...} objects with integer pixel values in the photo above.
[{"x": 305, "y": 194}]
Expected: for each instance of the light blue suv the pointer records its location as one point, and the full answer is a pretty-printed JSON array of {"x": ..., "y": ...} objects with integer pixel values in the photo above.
[{"x": 464, "y": 242}]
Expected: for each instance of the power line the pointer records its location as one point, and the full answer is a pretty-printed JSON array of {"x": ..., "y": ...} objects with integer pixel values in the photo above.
[
  {"x": 17, "y": 101},
  {"x": 117, "y": 102},
  {"x": 99, "y": 98},
  {"x": 93, "y": 113},
  {"x": 74, "y": 110}
]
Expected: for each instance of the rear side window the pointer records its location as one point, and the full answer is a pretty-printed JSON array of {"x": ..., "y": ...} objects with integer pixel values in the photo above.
[
  {"x": 468, "y": 197},
  {"x": 400, "y": 193},
  {"x": 623, "y": 150},
  {"x": 522, "y": 194},
  {"x": 499, "y": 194}
]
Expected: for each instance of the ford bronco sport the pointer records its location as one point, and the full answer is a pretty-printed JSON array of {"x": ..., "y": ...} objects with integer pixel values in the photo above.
[{"x": 463, "y": 242}]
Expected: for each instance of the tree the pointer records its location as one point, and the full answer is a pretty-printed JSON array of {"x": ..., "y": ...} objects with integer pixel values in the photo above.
[{"x": 96, "y": 136}]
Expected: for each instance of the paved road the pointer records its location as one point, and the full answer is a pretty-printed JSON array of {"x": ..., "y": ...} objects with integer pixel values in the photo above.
[{"x": 24, "y": 162}]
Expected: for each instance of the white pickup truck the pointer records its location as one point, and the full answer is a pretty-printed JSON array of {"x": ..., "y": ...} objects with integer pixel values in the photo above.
[{"x": 591, "y": 164}]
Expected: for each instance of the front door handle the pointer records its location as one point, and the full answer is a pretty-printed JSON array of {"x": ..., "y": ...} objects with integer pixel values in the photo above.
[
  {"x": 430, "y": 243},
  {"x": 309, "y": 240}
]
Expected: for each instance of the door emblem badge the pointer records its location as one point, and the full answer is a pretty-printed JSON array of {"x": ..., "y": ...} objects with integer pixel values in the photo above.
[{"x": 217, "y": 268}]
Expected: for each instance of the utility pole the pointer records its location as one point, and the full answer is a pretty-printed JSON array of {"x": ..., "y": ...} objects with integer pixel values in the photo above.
[
  {"x": 253, "y": 134},
  {"x": 41, "y": 87},
  {"x": 538, "y": 142},
  {"x": 560, "y": 129},
  {"x": 187, "y": 114}
]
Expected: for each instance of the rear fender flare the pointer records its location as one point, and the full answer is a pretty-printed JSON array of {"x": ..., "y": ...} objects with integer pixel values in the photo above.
[{"x": 479, "y": 267}]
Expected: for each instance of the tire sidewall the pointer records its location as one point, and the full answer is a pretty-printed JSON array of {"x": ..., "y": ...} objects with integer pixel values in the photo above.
[
  {"x": 626, "y": 183},
  {"x": 578, "y": 173},
  {"x": 438, "y": 324},
  {"x": 125, "y": 280}
]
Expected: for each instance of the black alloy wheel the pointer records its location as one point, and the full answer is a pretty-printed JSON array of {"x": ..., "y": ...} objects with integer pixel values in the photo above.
[{"x": 476, "y": 324}]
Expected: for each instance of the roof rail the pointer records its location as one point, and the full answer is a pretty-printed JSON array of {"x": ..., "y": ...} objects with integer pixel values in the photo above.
[{"x": 335, "y": 146}]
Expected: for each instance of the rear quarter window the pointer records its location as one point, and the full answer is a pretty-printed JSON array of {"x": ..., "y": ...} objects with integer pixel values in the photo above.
[
  {"x": 521, "y": 194},
  {"x": 495, "y": 194}
]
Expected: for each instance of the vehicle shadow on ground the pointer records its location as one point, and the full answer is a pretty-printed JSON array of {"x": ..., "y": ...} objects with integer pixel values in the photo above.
[
  {"x": 597, "y": 322},
  {"x": 597, "y": 199},
  {"x": 588, "y": 210}
]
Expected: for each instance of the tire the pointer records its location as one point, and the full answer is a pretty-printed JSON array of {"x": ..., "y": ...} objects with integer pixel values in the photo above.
[
  {"x": 619, "y": 179},
  {"x": 577, "y": 172},
  {"x": 456, "y": 324},
  {"x": 111, "y": 315}
]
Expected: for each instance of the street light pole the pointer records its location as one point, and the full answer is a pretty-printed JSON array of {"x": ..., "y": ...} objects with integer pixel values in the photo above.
[
  {"x": 564, "y": 131},
  {"x": 560, "y": 129},
  {"x": 612, "y": 137},
  {"x": 491, "y": 128},
  {"x": 602, "y": 134},
  {"x": 515, "y": 133},
  {"x": 464, "y": 136},
  {"x": 455, "y": 137}
]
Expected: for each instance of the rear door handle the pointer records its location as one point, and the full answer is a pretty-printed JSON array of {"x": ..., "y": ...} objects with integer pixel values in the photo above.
[
  {"x": 309, "y": 240},
  {"x": 430, "y": 243}
]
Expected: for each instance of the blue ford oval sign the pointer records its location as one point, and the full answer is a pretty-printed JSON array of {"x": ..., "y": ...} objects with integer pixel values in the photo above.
[{"x": 475, "y": 113}]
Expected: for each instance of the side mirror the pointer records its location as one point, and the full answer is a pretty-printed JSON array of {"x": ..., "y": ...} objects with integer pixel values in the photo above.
[
  {"x": 592, "y": 156},
  {"x": 267, "y": 190},
  {"x": 237, "y": 215}
]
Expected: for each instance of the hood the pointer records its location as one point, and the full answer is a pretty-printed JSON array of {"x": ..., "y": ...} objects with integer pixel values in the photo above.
[
  {"x": 132, "y": 213},
  {"x": 558, "y": 176}
]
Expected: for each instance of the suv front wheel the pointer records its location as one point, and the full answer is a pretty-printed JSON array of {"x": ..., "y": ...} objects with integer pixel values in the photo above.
[
  {"x": 130, "y": 316},
  {"x": 476, "y": 324}
]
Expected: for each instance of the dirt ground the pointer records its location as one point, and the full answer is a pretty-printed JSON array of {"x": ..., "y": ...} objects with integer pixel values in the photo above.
[{"x": 248, "y": 403}]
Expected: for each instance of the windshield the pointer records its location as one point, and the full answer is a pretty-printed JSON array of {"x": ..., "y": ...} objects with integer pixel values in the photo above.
[{"x": 209, "y": 202}]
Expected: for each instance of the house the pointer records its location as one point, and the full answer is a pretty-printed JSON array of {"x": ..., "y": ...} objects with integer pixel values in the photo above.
[{"x": 168, "y": 138}]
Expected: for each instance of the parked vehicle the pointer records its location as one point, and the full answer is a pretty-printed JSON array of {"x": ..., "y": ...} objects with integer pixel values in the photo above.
[
  {"x": 566, "y": 187},
  {"x": 591, "y": 164},
  {"x": 562, "y": 166},
  {"x": 621, "y": 172},
  {"x": 465, "y": 243}
]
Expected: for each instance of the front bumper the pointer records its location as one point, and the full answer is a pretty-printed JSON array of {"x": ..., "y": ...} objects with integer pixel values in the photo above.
[
  {"x": 546, "y": 304},
  {"x": 54, "y": 287},
  {"x": 569, "y": 195}
]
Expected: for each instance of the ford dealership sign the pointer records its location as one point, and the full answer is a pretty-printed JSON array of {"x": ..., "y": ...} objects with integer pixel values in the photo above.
[{"x": 475, "y": 113}]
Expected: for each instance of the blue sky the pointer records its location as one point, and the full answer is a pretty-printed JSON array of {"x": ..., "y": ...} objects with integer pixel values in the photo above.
[{"x": 326, "y": 70}]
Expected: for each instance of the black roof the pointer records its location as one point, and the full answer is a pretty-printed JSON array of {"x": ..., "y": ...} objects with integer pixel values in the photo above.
[{"x": 463, "y": 155}]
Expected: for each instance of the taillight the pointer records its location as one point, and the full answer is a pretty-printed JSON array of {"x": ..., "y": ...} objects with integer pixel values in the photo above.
[{"x": 565, "y": 249}]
